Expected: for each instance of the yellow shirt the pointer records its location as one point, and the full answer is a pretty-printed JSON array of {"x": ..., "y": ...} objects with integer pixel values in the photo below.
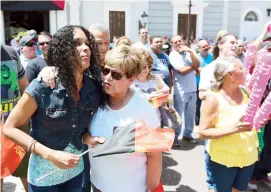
[{"x": 236, "y": 150}]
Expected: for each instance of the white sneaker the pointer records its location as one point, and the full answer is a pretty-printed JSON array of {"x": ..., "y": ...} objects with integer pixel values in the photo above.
[{"x": 252, "y": 186}]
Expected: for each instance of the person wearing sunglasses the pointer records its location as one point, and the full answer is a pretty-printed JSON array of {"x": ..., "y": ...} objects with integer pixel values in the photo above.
[
  {"x": 133, "y": 172},
  {"x": 28, "y": 48},
  {"x": 34, "y": 66}
]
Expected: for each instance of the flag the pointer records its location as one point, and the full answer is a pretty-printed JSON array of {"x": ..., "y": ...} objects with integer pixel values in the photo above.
[
  {"x": 158, "y": 100},
  {"x": 135, "y": 137},
  {"x": 11, "y": 153},
  {"x": 159, "y": 188}
]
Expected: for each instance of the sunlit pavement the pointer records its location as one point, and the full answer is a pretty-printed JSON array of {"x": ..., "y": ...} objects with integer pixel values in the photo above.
[{"x": 183, "y": 171}]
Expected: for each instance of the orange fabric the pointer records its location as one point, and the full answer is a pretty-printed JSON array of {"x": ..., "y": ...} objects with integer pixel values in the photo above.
[
  {"x": 158, "y": 101},
  {"x": 159, "y": 188},
  {"x": 152, "y": 140},
  {"x": 11, "y": 154}
]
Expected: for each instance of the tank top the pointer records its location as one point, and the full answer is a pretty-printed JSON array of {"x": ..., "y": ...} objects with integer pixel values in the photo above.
[{"x": 235, "y": 150}]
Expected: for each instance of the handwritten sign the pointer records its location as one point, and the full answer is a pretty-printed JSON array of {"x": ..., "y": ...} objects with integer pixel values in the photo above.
[{"x": 259, "y": 80}]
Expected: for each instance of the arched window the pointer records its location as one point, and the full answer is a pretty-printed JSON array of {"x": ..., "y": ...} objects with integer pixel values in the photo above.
[{"x": 251, "y": 16}]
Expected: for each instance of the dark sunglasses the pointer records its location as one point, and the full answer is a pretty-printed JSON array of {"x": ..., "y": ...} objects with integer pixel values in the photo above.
[
  {"x": 115, "y": 75},
  {"x": 30, "y": 44},
  {"x": 43, "y": 43}
]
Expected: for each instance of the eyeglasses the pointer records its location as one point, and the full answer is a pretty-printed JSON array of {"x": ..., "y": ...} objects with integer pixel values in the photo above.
[
  {"x": 115, "y": 75},
  {"x": 30, "y": 44},
  {"x": 43, "y": 43}
]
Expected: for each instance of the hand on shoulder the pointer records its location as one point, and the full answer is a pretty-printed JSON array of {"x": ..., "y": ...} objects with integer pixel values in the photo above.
[{"x": 48, "y": 75}]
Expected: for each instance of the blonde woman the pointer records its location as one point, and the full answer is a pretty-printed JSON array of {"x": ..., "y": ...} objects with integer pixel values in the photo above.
[
  {"x": 232, "y": 145},
  {"x": 133, "y": 172}
]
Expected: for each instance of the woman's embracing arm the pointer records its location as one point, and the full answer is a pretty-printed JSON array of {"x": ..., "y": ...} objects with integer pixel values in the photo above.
[{"x": 154, "y": 169}]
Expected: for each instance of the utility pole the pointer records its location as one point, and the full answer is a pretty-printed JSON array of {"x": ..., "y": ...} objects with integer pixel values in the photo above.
[{"x": 189, "y": 24}]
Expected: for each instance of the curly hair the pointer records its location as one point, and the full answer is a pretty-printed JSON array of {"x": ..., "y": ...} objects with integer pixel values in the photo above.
[{"x": 62, "y": 54}]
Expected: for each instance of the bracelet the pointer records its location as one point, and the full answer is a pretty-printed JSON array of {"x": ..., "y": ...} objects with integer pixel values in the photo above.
[
  {"x": 29, "y": 146},
  {"x": 32, "y": 149}
]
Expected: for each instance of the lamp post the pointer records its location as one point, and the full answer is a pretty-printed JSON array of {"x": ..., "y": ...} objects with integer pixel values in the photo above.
[
  {"x": 144, "y": 18},
  {"x": 189, "y": 24}
]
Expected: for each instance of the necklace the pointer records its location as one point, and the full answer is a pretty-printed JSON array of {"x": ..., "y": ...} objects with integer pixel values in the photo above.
[{"x": 231, "y": 100}]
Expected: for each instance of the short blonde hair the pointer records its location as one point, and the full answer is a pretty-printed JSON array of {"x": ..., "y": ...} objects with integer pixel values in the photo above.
[
  {"x": 126, "y": 59},
  {"x": 222, "y": 67},
  {"x": 146, "y": 58},
  {"x": 123, "y": 41}
]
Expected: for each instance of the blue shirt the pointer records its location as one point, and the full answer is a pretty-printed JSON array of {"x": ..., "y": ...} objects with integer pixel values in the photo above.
[
  {"x": 162, "y": 66},
  {"x": 203, "y": 62},
  {"x": 59, "y": 123}
]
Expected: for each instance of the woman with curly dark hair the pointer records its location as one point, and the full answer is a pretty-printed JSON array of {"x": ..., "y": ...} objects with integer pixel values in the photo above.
[{"x": 60, "y": 116}]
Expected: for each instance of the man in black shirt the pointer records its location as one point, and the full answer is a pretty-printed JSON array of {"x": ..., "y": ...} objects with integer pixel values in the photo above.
[
  {"x": 166, "y": 46},
  {"x": 13, "y": 82}
]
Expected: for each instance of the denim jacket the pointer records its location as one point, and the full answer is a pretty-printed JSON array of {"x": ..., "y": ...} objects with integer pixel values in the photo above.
[{"x": 58, "y": 121}]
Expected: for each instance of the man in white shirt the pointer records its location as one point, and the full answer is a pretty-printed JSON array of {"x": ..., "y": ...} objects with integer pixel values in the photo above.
[
  {"x": 184, "y": 62},
  {"x": 28, "y": 48},
  {"x": 102, "y": 37},
  {"x": 143, "y": 42}
]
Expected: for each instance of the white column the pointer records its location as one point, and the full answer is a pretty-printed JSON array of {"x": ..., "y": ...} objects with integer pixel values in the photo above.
[
  {"x": 199, "y": 27},
  {"x": 62, "y": 18},
  {"x": 2, "y": 26},
  {"x": 128, "y": 15},
  {"x": 58, "y": 19},
  {"x": 175, "y": 21},
  {"x": 225, "y": 15},
  {"x": 75, "y": 12}
]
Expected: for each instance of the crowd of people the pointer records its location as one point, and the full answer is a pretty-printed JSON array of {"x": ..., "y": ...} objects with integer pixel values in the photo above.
[{"x": 69, "y": 91}]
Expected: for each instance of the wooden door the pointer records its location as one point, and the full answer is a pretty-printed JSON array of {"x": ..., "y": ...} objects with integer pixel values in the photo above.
[
  {"x": 183, "y": 25},
  {"x": 116, "y": 24}
]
